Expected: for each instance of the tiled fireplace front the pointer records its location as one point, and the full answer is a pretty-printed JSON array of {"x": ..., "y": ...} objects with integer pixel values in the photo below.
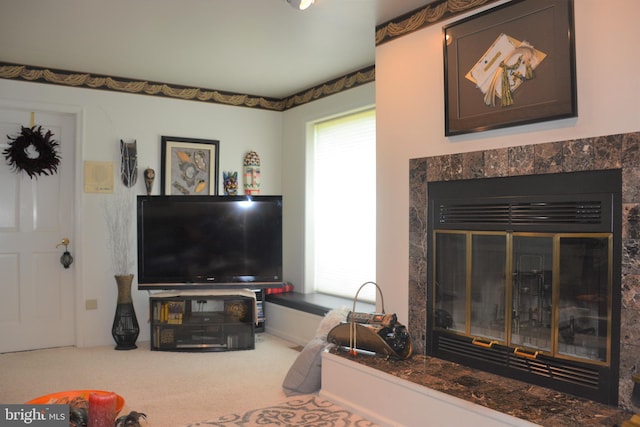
[{"x": 600, "y": 153}]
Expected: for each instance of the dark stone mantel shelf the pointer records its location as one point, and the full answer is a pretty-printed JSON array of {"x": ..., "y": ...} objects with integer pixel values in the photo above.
[{"x": 532, "y": 403}]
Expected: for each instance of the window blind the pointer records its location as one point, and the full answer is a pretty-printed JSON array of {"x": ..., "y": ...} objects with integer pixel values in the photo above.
[{"x": 344, "y": 205}]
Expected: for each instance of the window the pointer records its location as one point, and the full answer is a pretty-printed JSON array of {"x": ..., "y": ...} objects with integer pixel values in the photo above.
[{"x": 341, "y": 208}]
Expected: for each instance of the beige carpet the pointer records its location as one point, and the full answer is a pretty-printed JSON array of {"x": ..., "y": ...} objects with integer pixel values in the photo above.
[
  {"x": 173, "y": 389},
  {"x": 303, "y": 411}
]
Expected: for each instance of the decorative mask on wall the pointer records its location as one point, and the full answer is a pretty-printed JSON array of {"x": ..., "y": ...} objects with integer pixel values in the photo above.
[
  {"x": 230, "y": 183},
  {"x": 252, "y": 173}
]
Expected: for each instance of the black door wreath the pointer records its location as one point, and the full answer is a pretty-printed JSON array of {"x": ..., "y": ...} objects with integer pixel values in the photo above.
[{"x": 33, "y": 152}]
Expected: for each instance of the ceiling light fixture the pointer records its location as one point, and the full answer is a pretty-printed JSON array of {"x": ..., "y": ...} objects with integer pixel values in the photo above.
[{"x": 300, "y": 4}]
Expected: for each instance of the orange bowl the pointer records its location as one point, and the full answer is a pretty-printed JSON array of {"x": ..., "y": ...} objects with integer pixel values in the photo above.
[{"x": 64, "y": 397}]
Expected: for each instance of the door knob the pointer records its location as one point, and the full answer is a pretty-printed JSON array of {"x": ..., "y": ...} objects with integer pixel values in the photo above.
[{"x": 66, "y": 259}]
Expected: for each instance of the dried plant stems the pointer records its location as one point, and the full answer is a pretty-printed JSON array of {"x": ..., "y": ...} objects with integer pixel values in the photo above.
[{"x": 119, "y": 218}]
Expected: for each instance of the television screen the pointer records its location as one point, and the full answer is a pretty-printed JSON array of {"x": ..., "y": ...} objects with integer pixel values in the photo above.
[{"x": 187, "y": 242}]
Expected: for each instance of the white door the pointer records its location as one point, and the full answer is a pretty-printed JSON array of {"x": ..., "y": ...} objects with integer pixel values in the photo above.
[{"x": 37, "y": 303}]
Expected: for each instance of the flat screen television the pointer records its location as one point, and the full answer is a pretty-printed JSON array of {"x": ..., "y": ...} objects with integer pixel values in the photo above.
[{"x": 191, "y": 242}]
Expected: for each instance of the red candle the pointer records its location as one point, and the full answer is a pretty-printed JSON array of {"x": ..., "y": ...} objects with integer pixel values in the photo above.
[{"x": 102, "y": 409}]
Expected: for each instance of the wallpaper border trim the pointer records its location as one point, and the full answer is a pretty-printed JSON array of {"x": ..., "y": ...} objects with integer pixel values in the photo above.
[
  {"x": 403, "y": 25},
  {"x": 95, "y": 81},
  {"x": 423, "y": 17}
]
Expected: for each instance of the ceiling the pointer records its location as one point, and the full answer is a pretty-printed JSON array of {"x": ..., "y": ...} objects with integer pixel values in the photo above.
[{"x": 256, "y": 47}]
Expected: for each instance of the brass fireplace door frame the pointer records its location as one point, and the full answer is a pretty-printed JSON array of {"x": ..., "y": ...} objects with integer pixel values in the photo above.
[{"x": 555, "y": 324}]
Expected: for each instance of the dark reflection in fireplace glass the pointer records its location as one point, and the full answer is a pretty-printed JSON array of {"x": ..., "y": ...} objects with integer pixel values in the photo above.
[
  {"x": 451, "y": 281},
  {"x": 532, "y": 286},
  {"x": 583, "y": 308},
  {"x": 488, "y": 274}
]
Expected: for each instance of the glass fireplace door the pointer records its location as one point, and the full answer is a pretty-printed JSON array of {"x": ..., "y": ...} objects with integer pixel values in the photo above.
[
  {"x": 451, "y": 281},
  {"x": 470, "y": 283},
  {"x": 488, "y": 285},
  {"x": 536, "y": 293},
  {"x": 584, "y": 301},
  {"x": 531, "y": 291}
]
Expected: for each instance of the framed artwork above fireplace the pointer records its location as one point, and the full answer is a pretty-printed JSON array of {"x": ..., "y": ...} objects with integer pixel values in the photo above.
[{"x": 510, "y": 65}]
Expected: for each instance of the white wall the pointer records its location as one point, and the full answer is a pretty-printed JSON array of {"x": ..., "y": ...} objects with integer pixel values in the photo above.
[
  {"x": 107, "y": 117},
  {"x": 410, "y": 117}
]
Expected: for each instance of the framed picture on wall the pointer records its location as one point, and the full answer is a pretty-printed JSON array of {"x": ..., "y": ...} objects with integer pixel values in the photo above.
[
  {"x": 510, "y": 65},
  {"x": 189, "y": 166}
]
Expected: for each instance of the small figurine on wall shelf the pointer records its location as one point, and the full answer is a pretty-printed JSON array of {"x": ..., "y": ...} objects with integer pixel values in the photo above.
[
  {"x": 230, "y": 183},
  {"x": 252, "y": 173},
  {"x": 149, "y": 176}
]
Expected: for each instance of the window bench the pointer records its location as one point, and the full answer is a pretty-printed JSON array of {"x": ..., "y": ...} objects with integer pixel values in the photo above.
[
  {"x": 295, "y": 316},
  {"x": 316, "y": 303}
]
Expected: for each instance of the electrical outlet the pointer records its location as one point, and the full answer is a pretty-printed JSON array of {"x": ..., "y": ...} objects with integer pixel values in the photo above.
[{"x": 91, "y": 304}]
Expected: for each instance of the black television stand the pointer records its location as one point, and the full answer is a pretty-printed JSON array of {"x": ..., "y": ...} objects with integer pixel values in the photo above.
[{"x": 204, "y": 320}]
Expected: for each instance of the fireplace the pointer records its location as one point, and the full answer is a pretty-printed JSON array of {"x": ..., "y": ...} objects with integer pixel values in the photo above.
[
  {"x": 525, "y": 278},
  {"x": 617, "y": 151}
]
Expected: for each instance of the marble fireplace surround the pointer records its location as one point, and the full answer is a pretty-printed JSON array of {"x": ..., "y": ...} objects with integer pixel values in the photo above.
[{"x": 621, "y": 151}]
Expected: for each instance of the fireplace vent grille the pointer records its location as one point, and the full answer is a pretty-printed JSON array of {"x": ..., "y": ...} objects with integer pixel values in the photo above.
[
  {"x": 502, "y": 357},
  {"x": 516, "y": 213}
]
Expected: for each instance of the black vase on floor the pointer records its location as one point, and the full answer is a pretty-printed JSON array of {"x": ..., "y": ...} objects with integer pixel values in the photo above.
[{"x": 125, "y": 327}]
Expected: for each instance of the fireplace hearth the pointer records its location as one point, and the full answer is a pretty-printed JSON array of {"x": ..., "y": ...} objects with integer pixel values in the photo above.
[
  {"x": 524, "y": 278},
  {"x": 617, "y": 359}
]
